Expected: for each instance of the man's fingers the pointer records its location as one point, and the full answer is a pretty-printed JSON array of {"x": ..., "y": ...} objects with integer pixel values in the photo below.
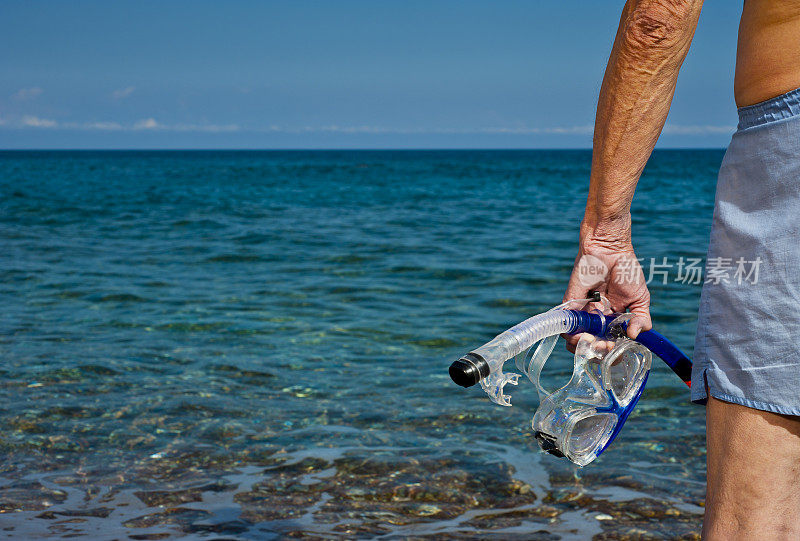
[
  {"x": 641, "y": 318},
  {"x": 572, "y": 341},
  {"x": 575, "y": 291},
  {"x": 575, "y": 288},
  {"x": 637, "y": 325}
]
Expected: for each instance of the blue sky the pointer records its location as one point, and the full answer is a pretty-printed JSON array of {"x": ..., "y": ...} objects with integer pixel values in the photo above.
[{"x": 334, "y": 74}]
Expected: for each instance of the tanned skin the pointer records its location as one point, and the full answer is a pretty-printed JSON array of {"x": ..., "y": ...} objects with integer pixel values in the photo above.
[
  {"x": 768, "y": 55},
  {"x": 753, "y": 456}
]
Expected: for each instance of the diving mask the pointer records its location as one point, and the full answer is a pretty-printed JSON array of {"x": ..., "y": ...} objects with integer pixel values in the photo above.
[{"x": 581, "y": 419}]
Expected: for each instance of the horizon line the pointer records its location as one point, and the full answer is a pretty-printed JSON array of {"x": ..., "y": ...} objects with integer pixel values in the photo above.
[{"x": 328, "y": 149}]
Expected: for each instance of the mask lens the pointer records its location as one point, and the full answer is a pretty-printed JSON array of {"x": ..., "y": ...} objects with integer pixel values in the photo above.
[
  {"x": 588, "y": 435},
  {"x": 624, "y": 373}
]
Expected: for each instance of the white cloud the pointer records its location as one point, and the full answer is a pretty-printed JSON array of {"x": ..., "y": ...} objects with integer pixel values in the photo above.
[
  {"x": 27, "y": 93},
  {"x": 347, "y": 129},
  {"x": 672, "y": 129},
  {"x": 36, "y": 122},
  {"x": 146, "y": 124},
  {"x": 210, "y": 128},
  {"x": 575, "y": 130},
  {"x": 122, "y": 93},
  {"x": 151, "y": 124},
  {"x": 334, "y": 128},
  {"x": 104, "y": 126},
  {"x": 517, "y": 130}
]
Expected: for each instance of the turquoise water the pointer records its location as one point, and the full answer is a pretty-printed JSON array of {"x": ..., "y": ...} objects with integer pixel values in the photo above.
[{"x": 256, "y": 344}]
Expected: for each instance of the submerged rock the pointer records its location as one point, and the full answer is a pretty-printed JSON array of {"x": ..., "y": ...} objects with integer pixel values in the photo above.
[{"x": 29, "y": 496}]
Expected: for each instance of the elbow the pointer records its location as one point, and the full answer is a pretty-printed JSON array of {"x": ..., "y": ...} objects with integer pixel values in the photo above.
[{"x": 666, "y": 25}]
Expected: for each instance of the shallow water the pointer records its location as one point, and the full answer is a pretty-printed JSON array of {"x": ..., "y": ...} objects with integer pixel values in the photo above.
[{"x": 255, "y": 345}]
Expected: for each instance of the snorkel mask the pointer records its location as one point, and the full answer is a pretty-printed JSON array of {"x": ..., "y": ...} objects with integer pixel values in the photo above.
[{"x": 581, "y": 419}]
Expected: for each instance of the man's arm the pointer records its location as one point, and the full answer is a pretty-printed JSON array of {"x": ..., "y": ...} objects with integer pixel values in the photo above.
[{"x": 650, "y": 46}]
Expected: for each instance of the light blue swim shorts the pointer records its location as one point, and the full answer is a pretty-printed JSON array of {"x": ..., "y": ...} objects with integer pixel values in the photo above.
[{"x": 747, "y": 348}]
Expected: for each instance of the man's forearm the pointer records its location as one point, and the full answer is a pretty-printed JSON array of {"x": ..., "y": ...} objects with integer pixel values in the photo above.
[{"x": 651, "y": 44}]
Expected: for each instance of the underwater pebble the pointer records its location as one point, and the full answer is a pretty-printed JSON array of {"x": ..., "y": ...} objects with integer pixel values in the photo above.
[{"x": 426, "y": 510}]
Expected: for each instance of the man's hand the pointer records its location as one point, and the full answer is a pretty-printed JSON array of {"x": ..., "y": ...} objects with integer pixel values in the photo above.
[{"x": 607, "y": 263}]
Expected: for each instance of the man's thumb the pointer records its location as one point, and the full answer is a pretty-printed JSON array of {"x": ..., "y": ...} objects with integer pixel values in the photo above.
[{"x": 638, "y": 323}]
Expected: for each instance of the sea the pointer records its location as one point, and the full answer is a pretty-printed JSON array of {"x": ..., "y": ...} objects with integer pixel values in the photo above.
[{"x": 255, "y": 345}]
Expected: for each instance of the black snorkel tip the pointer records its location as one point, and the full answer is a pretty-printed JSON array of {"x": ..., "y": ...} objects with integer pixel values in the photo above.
[{"x": 469, "y": 370}]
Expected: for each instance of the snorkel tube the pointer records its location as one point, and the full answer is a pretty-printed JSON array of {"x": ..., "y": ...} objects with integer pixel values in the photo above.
[
  {"x": 669, "y": 353},
  {"x": 485, "y": 364},
  {"x": 480, "y": 363}
]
